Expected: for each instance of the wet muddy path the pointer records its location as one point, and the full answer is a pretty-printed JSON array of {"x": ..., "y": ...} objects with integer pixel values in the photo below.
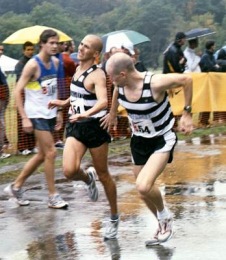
[{"x": 195, "y": 190}]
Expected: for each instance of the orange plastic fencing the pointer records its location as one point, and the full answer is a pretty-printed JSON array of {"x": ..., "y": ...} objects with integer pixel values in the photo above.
[{"x": 16, "y": 141}]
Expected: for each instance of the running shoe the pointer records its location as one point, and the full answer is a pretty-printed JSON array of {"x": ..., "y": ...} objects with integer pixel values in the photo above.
[
  {"x": 17, "y": 194},
  {"x": 154, "y": 240},
  {"x": 92, "y": 187},
  {"x": 56, "y": 202},
  {"x": 34, "y": 150},
  {"x": 59, "y": 145},
  {"x": 26, "y": 152},
  {"x": 111, "y": 229},
  {"x": 5, "y": 155},
  {"x": 165, "y": 229}
]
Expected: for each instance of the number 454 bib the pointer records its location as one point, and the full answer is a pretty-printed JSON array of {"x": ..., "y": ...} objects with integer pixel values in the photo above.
[
  {"x": 143, "y": 128},
  {"x": 77, "y": 106}
]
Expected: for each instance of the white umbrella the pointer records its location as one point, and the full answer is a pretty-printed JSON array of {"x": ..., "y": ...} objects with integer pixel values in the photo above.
[
  {"x": 117, "y": 38},
  {"x": 7, "y": 63}
]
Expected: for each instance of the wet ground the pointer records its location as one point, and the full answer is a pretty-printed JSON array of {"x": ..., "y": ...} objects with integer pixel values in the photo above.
[{"x": 194, "y": 187}]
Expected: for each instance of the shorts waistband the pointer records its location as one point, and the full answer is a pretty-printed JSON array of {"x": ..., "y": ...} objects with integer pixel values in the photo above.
[{"x": 89, "y": 119}]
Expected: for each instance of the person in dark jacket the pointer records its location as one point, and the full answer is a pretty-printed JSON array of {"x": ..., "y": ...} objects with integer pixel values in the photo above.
[
  {"x": 139, "y": 65},
  {"x": 174, "y": 60},
  {"x": 28, "y": 51},
  {"x": 220, "y": 57},
  {"x": 222, "y": 53},
  {"x": 26, "y": 142},
  {"x": 208, "y": 63}
]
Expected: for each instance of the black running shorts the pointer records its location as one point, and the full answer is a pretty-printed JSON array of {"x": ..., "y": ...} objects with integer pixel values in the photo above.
[
  {"x": 89, "y": 132},
  {"x": 142, "y": 148}
]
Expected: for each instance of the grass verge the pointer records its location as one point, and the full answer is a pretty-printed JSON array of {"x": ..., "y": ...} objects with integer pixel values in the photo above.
[{"x": 116, "y": 148}]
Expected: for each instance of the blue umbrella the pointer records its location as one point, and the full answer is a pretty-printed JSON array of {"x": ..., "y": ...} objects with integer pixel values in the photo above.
[{"x": 198, "y": 32}]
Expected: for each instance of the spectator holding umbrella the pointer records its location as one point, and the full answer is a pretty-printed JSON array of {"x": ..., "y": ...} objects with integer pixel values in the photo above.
[{"x": 193, "y": 59}]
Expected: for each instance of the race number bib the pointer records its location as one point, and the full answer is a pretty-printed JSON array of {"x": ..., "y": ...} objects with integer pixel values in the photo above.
[
  {"x": 49, "y": 86},
  {"x": 77, "y": 106},
  {"x": 142, "y": 127}
]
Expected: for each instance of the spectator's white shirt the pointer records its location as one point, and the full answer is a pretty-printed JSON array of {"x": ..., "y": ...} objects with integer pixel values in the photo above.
[{"x": 193, "y": 60}]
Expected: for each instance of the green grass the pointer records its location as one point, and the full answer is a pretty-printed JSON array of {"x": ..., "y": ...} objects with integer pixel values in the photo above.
[
  {"x": 116, "y": 148},
  {"x": 202, "y": 132},
  {"x": 120, "y": 147}
]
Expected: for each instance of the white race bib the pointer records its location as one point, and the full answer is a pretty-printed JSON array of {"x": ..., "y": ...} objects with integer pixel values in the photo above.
[
  {"x": 142, "y": 127},
  {"x": 49, "y": 86},
  {"x": 77, "y": 106}
]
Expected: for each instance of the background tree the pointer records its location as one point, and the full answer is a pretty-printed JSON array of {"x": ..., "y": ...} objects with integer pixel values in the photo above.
[{"x": 157, "y": 19}]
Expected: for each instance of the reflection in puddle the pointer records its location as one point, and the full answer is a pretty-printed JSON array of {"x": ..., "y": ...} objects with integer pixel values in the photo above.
[
  {"x": 114, "y": 248},
  {"x": 195, "y": 189},
  {"x": 206, "y": 140},
  {"x": 51, "y": 247},
  {"x": 216, "y": 188},
  {"x": 163, "y": 252},
  {"x": 196, "y": 140}
]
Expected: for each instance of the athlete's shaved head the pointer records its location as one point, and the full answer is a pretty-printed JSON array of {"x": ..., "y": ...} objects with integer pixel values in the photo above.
[
  {"x": 119, "y": 62},
  {"x": 96, "y": 42}
]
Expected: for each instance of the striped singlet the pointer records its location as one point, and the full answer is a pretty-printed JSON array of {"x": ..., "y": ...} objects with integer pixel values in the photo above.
[
  {"x": 82, "y": 99},
  {"x": 147, "y": 117}
]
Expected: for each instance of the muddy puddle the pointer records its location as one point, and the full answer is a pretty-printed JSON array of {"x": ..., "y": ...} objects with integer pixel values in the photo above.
[{"x": 194, "y": 186}]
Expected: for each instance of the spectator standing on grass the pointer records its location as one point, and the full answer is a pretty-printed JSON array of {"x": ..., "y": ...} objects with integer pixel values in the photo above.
[
  {"x": 208, "y": 64},
  {"x": 220, "y": 57},
  {"x": 69, "y": 67},
  {"x": 66, "y": 72},
  {"x": 3, "y": 79},
  {"x": 4, "y": 100},
  {"x": 39, "y": 82},
  {"x": 68, "y": 63},
  {"x": 58, "y": 135},
  {"x": 1, "y": 54},
  {"x": 139, "y": 65},
  {"x": 221, "y": 60},
  {"x": 122, "y": 130},
  {"x": 128, "y": 48},
  {"x": 25, "y": 141},
  {"x": 192, "y": 64},
  {"x": 174, "y": 60}
]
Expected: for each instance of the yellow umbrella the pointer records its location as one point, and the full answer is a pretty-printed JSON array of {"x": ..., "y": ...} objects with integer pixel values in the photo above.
[{"x": 32, "y": 34}]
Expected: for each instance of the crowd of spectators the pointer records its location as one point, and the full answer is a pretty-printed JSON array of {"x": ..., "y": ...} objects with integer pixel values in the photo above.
[{"x": 175, "y": 61}]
